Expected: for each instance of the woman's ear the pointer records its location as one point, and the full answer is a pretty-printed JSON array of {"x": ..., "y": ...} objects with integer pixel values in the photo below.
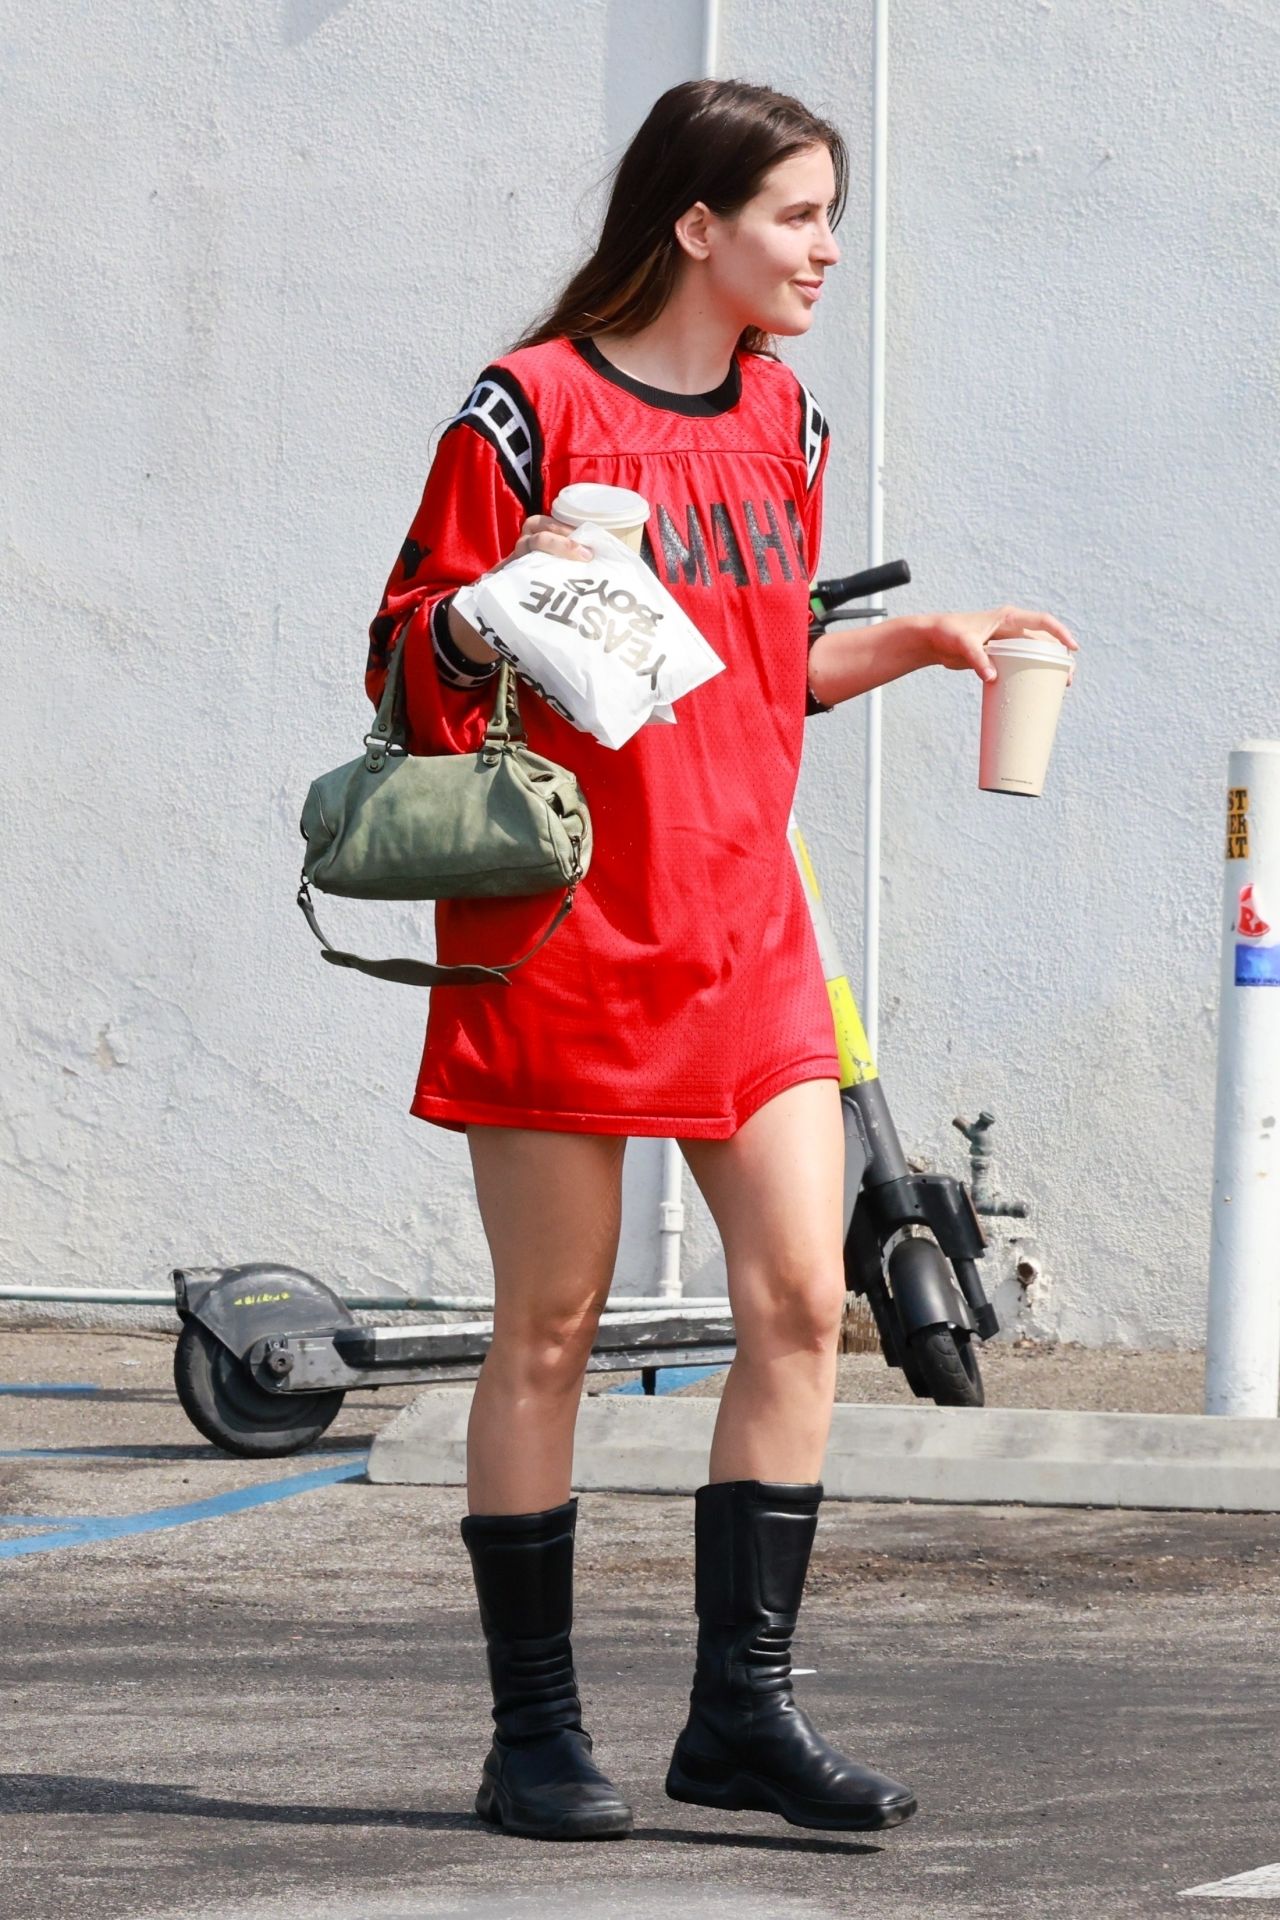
[{"x": 691, "y": 230}]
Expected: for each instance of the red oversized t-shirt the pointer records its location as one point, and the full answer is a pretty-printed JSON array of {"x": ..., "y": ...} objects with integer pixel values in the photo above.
[{"x": 685, "y": 989}]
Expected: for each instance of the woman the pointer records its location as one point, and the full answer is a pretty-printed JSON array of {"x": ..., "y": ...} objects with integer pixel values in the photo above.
[{"x": 683, "y": 997}]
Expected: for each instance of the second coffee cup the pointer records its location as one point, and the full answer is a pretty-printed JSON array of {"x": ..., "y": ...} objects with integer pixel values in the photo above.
[
  {"x": 616, "y": 509},
  {"x": 1020, "y": 709}
]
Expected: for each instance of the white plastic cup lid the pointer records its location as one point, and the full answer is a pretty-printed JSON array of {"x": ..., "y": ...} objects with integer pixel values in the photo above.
[
  {"x": 1032, "y": 646},
  {"x": 606, "y": 506}
]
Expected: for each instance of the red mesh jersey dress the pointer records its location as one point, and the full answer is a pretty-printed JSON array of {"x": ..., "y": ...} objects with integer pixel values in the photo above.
[{"x": 685, "y": 989}]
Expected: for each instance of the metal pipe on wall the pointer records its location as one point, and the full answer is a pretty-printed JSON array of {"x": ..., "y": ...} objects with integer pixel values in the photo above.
[
  {"x": 372, "y": 1302},
  {"x": 710, "y": 38},
  {"x": 670, "y": 1223},
  {"x": 875, "y": 516},
  {"x": 671, "y": 1197},
  {"x": 671, "y": 1210}
]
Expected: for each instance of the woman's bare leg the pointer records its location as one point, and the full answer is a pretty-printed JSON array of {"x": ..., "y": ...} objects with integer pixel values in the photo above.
[
  {"x": 551, "y": 1204},
  {"x": 775, "y": 1190}
]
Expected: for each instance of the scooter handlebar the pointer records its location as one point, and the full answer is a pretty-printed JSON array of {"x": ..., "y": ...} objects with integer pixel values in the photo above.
[{"x": 829, "y": 594}]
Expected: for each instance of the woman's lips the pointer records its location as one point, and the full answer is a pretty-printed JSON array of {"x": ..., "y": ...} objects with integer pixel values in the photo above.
[{"x": 812, "y": 289}]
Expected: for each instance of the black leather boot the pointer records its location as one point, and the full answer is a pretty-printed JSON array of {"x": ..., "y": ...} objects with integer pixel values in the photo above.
[
  {"x": 747, "y": 1743},
  {"x": 539, "y": 1778}
]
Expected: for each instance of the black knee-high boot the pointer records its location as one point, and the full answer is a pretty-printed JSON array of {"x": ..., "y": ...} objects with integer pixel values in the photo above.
[
  {"x": 539, "y": 1778},
  {"x": 747, "y": 1743}
]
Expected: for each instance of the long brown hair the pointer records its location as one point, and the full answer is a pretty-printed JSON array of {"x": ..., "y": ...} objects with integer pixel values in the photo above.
[{"x": 709, "y": 140}]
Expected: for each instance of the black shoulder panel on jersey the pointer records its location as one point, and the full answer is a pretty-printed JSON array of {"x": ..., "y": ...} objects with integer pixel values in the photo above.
[
  {"x": 813, "y": 431},
  {"x": 501, "y": 412}
]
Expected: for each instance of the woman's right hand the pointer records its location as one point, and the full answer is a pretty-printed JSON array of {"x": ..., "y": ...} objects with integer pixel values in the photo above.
[{"x": 541, "y": 534}]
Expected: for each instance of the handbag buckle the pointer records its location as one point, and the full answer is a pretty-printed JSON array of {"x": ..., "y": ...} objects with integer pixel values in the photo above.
[
  {"x": 378, "y": 750},
  {"x": 497, "y": 741}
]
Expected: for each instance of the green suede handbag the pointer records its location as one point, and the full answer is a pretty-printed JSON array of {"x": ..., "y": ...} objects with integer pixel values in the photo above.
[{"x": 395, "y": 825}]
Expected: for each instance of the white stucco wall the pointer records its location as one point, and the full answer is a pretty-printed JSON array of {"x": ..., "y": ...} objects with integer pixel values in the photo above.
[{"x": 254, "y": 255}]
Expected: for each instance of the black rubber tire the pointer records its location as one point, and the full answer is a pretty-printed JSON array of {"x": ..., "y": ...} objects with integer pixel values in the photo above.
[
  {"x": 948, "y": 1365},
  {"x": 911, "y": 1373},
  {"x": 225, "y": 1404}
]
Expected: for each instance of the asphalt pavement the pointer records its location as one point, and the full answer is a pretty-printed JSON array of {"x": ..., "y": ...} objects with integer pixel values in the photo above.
[{"x": 256, "y": 1690}]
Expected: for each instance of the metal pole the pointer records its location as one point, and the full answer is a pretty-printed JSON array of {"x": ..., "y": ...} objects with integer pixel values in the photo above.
[
  {"x": 670, "y": 1222},
  {"x": 710, "y": 38},
  {"x": 875, "y": 517},
  {"x": 671, "y": 1175},
  {"x": 1242, "y": 1358},
  {"x": 376, "y": 1303}
]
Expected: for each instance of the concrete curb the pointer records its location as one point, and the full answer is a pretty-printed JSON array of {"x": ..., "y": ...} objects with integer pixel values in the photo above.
[{"x": 973, "y": 1455}]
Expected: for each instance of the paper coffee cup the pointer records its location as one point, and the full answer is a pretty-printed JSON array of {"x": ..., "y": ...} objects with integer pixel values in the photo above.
[
  {"x": 1020, "y": 709},
  {"x": 616, "y": 509}
]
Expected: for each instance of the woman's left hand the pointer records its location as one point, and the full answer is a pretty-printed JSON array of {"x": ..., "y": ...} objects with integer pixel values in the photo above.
[{"x": 959, "y": 640}]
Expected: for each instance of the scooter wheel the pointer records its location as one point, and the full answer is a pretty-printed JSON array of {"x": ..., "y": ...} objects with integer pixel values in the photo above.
[
  {"x": 947, "y": 1364},
  {"x": 224, "y": 1403}
]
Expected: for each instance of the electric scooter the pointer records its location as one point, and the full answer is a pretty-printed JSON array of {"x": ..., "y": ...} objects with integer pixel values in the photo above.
[
  {"x": 912, "y": 1239},
  {"x": 267, "y": 1353}
]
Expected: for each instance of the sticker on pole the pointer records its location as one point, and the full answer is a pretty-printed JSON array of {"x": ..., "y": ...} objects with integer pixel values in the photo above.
[
  {"x": 1258, "y": 962},
  {"x": 1237, "y": 823}
]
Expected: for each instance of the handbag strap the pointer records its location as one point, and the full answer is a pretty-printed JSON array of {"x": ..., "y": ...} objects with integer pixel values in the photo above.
[
  {"x": 389, "y": 734},
  {"x": 423, "y": 973}
]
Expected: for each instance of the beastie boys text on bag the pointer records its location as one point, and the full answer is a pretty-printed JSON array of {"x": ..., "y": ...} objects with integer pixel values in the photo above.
[{"x": 601, "y": 640}]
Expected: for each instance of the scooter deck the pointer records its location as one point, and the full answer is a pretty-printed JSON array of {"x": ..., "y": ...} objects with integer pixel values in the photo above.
[{"x": 360, "y": 1356}]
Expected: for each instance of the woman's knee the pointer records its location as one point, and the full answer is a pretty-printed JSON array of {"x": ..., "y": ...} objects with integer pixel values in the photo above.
[
  {"x": 544, "y": 1353},
  {"x": 790, "y": 1309}
]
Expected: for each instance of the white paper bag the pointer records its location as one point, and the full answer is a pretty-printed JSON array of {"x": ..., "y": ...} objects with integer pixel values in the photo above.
[{"x": 601, "y": 640}]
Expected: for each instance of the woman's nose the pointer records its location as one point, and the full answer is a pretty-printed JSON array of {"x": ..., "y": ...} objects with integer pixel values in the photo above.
[{"x": 827, "y": 250}]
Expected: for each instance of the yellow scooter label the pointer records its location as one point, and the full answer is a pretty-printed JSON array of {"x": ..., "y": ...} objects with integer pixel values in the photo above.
[
  {"x": 852, "y": 1045},
  {"x": 801, "y": 852},
  {"x": 856, "y": 1064}
]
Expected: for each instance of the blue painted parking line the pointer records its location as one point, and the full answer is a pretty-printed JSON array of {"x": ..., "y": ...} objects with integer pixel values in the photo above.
[
  {"x": 105, "y": 1453},
  {"x": 46, "y": 1520},
  {"x": 50, "y": 1388},
  {"x": 667, "y": 1379},
  {"x": 90, "y": 1531}
]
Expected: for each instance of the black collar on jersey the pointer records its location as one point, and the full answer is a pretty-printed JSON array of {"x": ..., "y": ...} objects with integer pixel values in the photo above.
[{"x": 719, "y": 400}]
